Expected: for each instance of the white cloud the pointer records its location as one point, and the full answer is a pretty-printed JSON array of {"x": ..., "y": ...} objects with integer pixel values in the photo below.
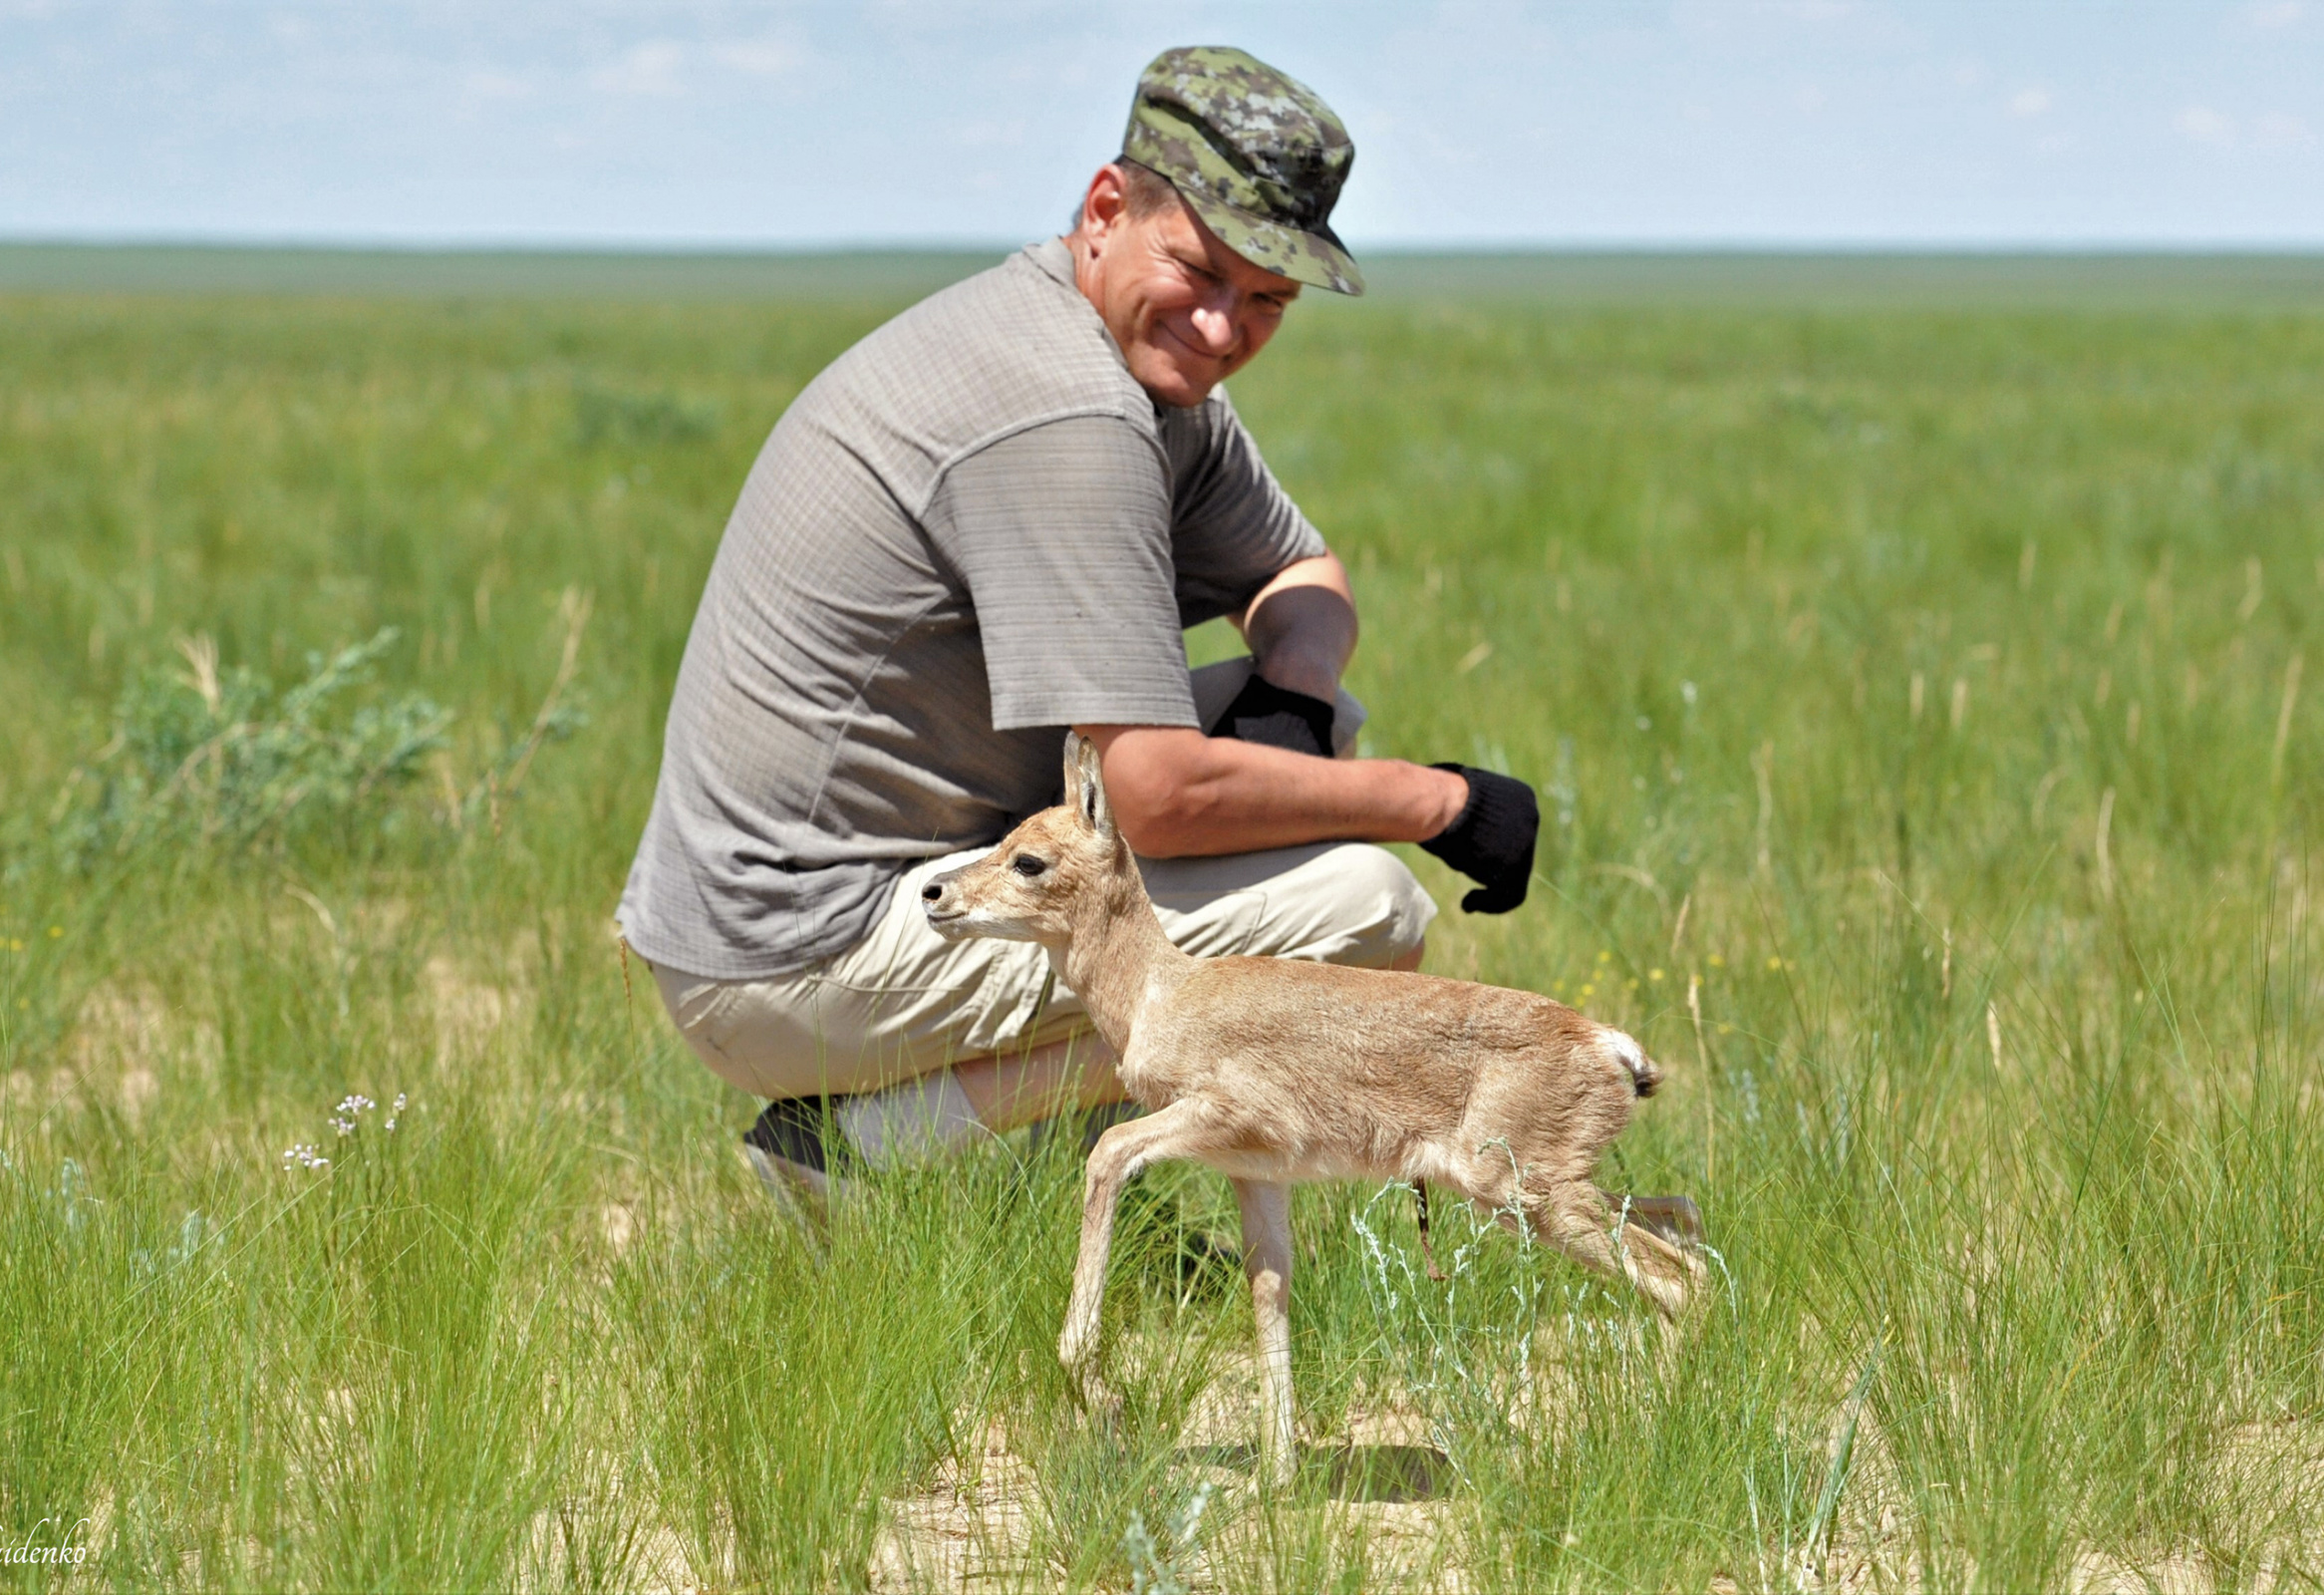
[
  {"x": 484, "y": 83},
  {"x": 2278, "y": 131},
  {"x": 2206, "y": 126},
  {"x": 2277, "y": 13},
  {"x": 649, "y": 68},
  {"x": 2269, "y": 130},
  {"x": 989, "y": 133},
  {"x": 2029, "y": 102},
  {"x": 758, "y": 58}
]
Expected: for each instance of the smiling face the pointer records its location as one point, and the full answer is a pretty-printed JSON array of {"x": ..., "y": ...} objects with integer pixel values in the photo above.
[{"x": 1187, "y": 311}]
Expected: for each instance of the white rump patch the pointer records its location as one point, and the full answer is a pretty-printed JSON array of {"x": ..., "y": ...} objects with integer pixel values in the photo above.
[{"x": 1628, "y": 1054}]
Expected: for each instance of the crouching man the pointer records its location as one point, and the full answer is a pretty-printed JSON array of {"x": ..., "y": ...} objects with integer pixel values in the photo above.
[{"x": 987, "y": 521}]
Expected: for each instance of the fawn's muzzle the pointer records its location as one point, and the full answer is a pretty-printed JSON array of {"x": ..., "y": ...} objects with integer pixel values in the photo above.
[{"x": 939, "y": 902}]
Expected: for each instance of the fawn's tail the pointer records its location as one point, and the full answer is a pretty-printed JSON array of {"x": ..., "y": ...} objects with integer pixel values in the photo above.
[{"x": 1644, "y": 1076}]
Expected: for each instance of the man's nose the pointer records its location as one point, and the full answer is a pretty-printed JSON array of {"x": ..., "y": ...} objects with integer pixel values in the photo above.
[{"x": 1215, "y": 325}]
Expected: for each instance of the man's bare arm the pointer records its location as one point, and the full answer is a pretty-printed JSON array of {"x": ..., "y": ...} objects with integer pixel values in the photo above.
[
  {"x": 1178, "y": 793},
  {"x": 1301, "y": 626}
]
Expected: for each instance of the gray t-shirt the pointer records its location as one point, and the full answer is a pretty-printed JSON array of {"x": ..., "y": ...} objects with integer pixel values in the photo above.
[{"x": 971, "y": 530}]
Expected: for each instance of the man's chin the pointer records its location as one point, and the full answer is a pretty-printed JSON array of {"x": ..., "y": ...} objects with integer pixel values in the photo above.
[
  {"x": 1181, "y": 383},
  {"x": 1178, "y": 389}
]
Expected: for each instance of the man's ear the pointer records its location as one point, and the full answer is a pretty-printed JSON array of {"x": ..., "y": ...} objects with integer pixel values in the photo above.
[
  {"x": 1088, "y": 793},
  {"x": 1104, "y": 203}
]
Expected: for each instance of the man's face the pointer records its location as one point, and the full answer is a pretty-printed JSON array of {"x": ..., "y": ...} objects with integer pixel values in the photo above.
[{"x": 1187, "y": 311}]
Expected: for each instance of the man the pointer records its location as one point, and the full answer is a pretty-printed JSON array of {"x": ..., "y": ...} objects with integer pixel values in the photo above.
[{"x": 987, "y": 521}]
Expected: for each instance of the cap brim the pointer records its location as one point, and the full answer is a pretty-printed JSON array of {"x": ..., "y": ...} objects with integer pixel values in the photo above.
[{"x": 1316, "y": 258}]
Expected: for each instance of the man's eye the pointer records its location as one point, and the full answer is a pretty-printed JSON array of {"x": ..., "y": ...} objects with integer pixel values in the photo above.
[{"x": 1027, "y": 864}]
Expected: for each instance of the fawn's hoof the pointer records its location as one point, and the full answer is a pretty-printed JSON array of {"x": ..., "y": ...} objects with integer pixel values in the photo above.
[
  {"x": 1278, "y": 1460},
  {"x": 1099, "y": 1401},
  {"x": 1676, "y": 1220}
]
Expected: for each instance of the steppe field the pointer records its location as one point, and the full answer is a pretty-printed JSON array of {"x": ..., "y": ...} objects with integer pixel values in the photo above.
[{"x": 1921, "y": 670}]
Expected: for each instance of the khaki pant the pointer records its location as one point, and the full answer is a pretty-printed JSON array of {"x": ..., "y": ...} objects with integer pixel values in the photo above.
[{"x": 904, "y": 1002}]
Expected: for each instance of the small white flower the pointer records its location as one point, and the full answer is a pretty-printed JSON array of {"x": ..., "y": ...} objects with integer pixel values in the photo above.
[{"x": 398, "y": 1101}]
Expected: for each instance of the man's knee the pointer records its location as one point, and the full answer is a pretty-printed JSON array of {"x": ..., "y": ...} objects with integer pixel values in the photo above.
[
  {"x": 1396, "y": 907},
  {"x": 1368, "y": 909}
]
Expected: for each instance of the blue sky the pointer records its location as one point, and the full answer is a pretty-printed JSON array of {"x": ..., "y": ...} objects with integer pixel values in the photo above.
[{"x": 1705, "y": 121}]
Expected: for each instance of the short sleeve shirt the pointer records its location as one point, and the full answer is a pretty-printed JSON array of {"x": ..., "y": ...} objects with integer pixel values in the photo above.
[{"x": 968, "y": 532}]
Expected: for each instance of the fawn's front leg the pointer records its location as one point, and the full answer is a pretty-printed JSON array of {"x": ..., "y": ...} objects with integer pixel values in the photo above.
[
  {"x": 1266, "y": 1259},
  {"x": 1118, "y": 1155}
]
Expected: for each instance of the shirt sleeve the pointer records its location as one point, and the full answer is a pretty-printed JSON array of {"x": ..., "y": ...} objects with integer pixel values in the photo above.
[
  {"x": 1234, "y": 527},
  {"x": 1061, "y": 535}
]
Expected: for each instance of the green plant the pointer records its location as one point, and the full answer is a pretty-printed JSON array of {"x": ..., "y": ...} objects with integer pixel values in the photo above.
[{"x": 213, "y": 756}]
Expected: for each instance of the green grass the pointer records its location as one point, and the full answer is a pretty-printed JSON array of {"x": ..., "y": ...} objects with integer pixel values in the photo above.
[
  {"x": 1789, "y": 280},
  {"x": 1918, "y": 686}
]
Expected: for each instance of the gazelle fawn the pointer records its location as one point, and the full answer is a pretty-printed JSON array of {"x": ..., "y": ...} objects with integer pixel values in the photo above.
[{"x": 1272, "y": 1071}]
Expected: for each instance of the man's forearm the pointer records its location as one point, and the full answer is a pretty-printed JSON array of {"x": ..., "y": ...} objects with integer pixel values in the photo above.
[{"x": 1178, "y": 793}]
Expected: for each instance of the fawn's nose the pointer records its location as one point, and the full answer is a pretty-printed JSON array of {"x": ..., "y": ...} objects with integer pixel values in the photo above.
[{"x": 933, "y": 892}]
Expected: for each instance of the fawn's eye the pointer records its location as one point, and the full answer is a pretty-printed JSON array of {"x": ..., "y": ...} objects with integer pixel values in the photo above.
[{"x": 1027, "y": 864}]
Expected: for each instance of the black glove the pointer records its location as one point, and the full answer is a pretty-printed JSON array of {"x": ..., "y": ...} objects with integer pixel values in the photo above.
[
  {"x": 1492, "y": 841},
  {"x": 1276, "y": 717}
]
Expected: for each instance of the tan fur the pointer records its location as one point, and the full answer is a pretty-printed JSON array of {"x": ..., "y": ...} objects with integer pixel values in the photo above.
[{"x": 1272, "y": 1070}]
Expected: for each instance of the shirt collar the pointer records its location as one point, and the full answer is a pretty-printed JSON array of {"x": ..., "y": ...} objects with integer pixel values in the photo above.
[{"x": 1054, "y": 258}]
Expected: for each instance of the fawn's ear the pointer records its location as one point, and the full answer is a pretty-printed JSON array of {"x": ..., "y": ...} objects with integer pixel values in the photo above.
[
  {"x": 1086, "y": 788},
  {"x": 1074, "y": 742}
]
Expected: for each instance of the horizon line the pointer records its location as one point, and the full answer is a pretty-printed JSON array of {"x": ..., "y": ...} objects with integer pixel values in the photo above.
[{"x": 775, "y": 249}]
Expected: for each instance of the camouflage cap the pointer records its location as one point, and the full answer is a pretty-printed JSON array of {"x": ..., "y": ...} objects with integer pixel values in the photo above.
[{"x": 1256, "y": 153}]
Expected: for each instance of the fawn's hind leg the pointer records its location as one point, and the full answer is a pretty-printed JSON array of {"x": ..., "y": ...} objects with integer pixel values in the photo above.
[
  {"x": 1266, "y": 1259},
  {"x": 1578, "y": 1219}
]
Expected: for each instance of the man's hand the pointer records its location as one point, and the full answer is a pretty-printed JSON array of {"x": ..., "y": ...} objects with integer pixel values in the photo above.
[
  {"x": 1492, "y": 841},
  {"x": 1276, "y": 717}
]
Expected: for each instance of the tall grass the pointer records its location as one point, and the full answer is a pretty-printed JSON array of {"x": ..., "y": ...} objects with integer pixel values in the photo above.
[{"x": 1918, "y": 702}]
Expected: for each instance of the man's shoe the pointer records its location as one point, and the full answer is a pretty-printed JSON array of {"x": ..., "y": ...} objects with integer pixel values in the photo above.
[
  {"x": 1085, "y": 1124},
  {"x": 790, "y": 1149}
]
